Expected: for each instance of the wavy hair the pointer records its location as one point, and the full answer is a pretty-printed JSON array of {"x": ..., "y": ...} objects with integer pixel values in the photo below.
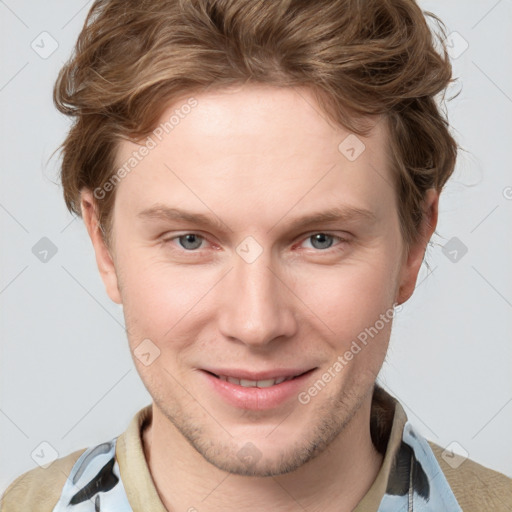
[{"x": 360, "y": 58}]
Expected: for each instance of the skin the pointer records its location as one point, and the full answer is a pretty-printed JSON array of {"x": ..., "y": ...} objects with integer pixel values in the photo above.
[{"x": 257, "y": 157}]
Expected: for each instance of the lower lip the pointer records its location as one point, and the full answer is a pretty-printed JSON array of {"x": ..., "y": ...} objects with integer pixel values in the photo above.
[{"x": 254, "y": 398}]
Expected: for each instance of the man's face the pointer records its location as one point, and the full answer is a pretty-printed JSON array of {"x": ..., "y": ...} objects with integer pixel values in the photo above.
[{"x": 261, "y": 294}]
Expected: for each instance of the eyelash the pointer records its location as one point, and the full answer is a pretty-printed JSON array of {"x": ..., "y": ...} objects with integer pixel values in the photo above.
[{"x": 329, "y": 250}]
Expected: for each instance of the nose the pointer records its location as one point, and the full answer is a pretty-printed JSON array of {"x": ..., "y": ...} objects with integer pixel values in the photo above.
[{"x": 257, "y": 304}]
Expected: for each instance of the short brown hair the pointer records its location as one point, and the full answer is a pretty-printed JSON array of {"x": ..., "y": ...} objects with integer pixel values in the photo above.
[{"x": 360, "y": 58}]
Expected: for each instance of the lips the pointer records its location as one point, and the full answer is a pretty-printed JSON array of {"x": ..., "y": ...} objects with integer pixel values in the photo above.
[
  {"x": 263, "y": 379},
  {"x": 257, "y": 390},
  {"x": 248, "y": 383}
]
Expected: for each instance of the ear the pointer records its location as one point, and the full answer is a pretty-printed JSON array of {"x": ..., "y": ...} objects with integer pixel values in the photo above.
[
  {"x": 414, "y": 257},
  {"x": 104, "y": 259}
]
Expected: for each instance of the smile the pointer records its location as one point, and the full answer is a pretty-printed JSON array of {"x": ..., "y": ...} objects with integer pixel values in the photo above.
[
  {"x": 257, "y": 390},
  {"x": 267, "y": 383}
]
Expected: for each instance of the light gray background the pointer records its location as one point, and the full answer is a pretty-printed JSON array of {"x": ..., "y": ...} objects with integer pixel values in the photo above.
[{"x": 67, "y": 378}]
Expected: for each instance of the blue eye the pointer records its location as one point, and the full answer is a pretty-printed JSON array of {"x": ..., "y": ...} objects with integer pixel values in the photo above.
[
  {"x": 190, "y": 239},
  {"x": 324, "y": 240},
  {"x": 193, "y": 242}
]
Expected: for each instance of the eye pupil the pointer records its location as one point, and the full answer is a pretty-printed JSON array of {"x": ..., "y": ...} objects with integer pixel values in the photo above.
[
  {"x": 193, "y": 241},
  {"x": 323, "y": 239},
  {"x": 189, "y": 238}
]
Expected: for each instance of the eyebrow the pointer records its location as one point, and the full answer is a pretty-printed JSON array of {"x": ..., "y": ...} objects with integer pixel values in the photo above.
[{"x": 335, "y": 214}]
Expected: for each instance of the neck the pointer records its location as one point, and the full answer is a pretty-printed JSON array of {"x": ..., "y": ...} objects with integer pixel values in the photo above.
[{"x": 335, "y": 480}]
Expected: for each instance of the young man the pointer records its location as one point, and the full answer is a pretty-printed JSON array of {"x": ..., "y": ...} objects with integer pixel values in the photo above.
[{"x": 259, "y": 181}]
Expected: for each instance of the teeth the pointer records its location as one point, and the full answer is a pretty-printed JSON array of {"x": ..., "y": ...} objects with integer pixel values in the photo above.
[
  {"x": 248, "y": 383},
  {"x": 263, "y": 383},
  {"x": 254, "y": 383}
]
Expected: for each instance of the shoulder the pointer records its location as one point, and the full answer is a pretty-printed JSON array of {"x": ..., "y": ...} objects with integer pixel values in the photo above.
[
  {"x": 475, "y": 486},
  {"x": 39, "y": 489}
]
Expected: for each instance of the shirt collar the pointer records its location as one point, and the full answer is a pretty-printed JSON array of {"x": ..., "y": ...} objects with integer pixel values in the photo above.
[{"x": 386, "y": 425}]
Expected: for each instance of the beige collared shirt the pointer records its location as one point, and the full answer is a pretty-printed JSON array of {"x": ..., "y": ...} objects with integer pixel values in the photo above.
[{"x": 476, "y": 488}]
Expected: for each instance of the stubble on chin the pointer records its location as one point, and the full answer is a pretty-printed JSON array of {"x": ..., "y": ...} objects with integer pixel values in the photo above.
[{"x": 244, "y": 458}]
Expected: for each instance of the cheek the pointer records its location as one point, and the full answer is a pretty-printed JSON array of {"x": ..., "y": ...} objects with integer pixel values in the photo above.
[
  {"x": 350, "y": 298},
  {"x": 159, "y": 299}
]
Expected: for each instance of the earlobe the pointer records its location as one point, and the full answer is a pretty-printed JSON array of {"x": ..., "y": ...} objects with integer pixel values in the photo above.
[
  {"x": 412, "y": 263},
  {"x": 104, "y": 259}
]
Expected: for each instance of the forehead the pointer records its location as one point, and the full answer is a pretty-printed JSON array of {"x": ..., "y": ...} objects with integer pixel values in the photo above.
[
  {"x": 268, "y": 115},
  {"x": 258, "y": 145}
]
